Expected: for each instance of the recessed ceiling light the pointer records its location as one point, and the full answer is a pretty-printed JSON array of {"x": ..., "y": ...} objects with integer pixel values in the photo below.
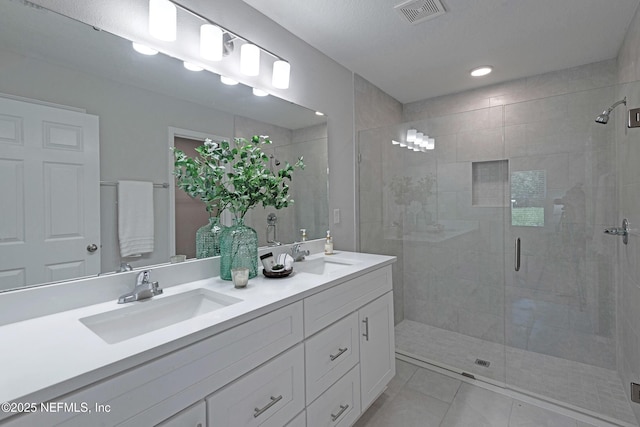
[
  {"x": 481, "y": 71},
  {"x": 145, "y": 50}
]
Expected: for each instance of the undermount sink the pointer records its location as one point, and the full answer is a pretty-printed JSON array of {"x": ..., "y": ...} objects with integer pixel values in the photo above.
[
  {"x": 321, "y": 265},
  {"x": 147, "y": 316}
]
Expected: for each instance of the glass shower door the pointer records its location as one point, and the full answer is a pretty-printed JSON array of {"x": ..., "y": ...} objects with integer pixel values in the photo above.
[
  {"x": 560, "y": 305},
  {"x": 442, "y": 213}
]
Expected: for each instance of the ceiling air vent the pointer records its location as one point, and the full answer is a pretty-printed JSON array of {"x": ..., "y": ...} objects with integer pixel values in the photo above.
[{"x": 416, "y": 11}]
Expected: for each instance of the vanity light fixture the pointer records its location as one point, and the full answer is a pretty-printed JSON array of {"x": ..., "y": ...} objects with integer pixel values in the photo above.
[
  {"x": 411, "y": 135},
  {"x": 259, "y": 92},
  {"x": 192, "y": 67},
  {"x": 250, "y": 59},
  {"x": 416, "y": 141},
  {"x": 163, "y": 20},
  {"x": 228, "y": 81},
  {"x": 211, "y": 42},
  {"x": 216, "y": 41},
  {"x": 281, "y": 72},
  {"x": 145, "y": 50},
  {"x": 481, "y": 71}
]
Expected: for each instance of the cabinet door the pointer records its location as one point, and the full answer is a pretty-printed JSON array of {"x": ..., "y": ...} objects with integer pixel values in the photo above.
[
  {"x": 377, "y": 350},
  {"x": 194, "y": 416}
]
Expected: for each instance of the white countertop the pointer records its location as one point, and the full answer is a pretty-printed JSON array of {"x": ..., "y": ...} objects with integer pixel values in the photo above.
[{"x": 45, "y": 357}]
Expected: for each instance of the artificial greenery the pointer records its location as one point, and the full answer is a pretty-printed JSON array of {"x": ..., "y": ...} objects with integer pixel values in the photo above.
[{"x": 234, "y": 176}]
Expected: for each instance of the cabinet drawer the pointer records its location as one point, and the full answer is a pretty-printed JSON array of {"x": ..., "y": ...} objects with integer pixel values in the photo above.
[
  {"x": 195, "y": 416},
  {"x": 324, "y": 308},
  {"x": 152, "y": 392},
  {"x": 339, "y": 405},
  {"x": 330, "y": 354},
  {"x": 299, "y": 421},
  {"x": 269, "y": 396}
]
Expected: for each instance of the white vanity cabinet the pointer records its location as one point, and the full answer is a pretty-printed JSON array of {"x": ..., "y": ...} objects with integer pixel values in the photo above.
[
  {"x": 318, "y": 361},
  {"x": 377, "y": 348},
  {"x": 269, "y": 396},
  {"x": 194, "y": 416},
  {"x": 353, "y": 321}
]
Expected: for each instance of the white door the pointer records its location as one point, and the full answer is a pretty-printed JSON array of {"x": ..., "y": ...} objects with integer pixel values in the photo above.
[
  {"x": 377, "y": 348},
  {"x": 49, "y": 194}
]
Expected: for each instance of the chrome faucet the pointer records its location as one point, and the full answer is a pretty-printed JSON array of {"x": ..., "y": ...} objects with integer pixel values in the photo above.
[
  {"x": 144, "y": 289},
  {"x": 297, "y": 253},
  {"x": 124, "y": 266}
]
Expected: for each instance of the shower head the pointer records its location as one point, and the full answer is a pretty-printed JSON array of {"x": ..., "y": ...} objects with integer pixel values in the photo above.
[{"x": 604, "y": 117}]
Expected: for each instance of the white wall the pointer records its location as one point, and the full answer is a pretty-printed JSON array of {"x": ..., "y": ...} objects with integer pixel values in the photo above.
[{"x": 317, "y": 82}]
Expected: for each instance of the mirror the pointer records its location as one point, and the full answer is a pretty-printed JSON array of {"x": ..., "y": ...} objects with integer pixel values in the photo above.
[{"x": 62, "y": 63}]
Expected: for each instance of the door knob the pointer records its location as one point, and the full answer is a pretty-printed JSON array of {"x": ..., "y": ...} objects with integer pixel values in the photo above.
[{"x": 92, "y": 247}]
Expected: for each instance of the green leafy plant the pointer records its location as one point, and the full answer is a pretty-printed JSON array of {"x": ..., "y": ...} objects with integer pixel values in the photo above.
[
  {"x": 200, "y": 177},
  {"x": 235, "y": 176}
]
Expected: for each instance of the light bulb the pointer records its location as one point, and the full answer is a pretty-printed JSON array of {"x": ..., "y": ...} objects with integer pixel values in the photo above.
[
  {"x": 431, "y": 144},
  {"x": 281, "y": 72},
  {"x": 394, "y": 142},
  {"x": 162, "y": 20},
  {"x": 211, "y": 42},
  {"x": 145, "y": 50},
  {"x": 250, "y": 59},
  {"x": 192, "y": 67},
  {"x": 411, "y": 135},
  {"x": 419, "y": 138},
  {"x": 228, "y": 81},
  {"x": 259, "y": 92}
]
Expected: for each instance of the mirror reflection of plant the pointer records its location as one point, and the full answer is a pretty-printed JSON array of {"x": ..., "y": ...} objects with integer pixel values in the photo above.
[
  {"x": 250, "y": 181},
  {"x": 235, "y": 176},
  {"x": 401, "y": 187}
]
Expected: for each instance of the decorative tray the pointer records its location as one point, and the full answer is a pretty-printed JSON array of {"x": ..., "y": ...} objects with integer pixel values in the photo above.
[{"x": 277, "y": 274}]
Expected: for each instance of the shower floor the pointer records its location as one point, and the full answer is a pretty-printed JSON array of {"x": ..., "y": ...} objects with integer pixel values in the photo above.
[{"x": 595, "y": 389}]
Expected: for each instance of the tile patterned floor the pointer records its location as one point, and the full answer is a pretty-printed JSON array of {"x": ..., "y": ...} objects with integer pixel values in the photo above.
[
  {"x": 585, "y": 386},
  {"x": 418, "y": 397}
]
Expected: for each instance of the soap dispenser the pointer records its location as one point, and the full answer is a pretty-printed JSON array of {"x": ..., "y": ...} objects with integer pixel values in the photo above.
[
  {"x": 303, "y": 234},
  {"x": 328, "y": 244}
]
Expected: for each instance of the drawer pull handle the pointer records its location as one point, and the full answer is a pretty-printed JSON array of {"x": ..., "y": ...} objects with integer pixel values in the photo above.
[
  {"x": 366, "y": 328},
  {"x": 274, "y": 400},
  {"x": 340, "y": 412},
  {"x": 340, "y": 353}
]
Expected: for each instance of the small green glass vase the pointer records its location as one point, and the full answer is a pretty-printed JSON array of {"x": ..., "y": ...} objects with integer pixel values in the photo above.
[
  {"x": 238, "y": 248},
  {"x": 208, "y": 238}
]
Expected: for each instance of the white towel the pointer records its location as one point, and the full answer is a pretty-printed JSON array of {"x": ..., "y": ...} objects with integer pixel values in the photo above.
[{"x": 135, "y": 217}]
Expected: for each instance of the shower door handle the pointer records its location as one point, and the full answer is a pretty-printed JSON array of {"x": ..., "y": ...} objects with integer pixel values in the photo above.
[{"x": 517, "y": 260}]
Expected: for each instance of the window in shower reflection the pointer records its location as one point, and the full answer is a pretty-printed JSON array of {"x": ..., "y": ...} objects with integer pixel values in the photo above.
[{"x": 528, "y": 192}]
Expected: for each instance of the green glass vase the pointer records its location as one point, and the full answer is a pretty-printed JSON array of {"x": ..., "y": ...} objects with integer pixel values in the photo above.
[
  {"x": 238, "y": 248},
  {"x": 208, "y": 238}
]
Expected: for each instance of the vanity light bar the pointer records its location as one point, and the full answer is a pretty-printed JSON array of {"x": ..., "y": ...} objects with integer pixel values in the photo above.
[
  {"x": 416, "y": 141},
  {"x": 212, "y": 48}
]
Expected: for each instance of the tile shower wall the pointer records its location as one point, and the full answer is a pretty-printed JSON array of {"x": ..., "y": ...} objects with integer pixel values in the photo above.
[{"x": 628, "y": 147}]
